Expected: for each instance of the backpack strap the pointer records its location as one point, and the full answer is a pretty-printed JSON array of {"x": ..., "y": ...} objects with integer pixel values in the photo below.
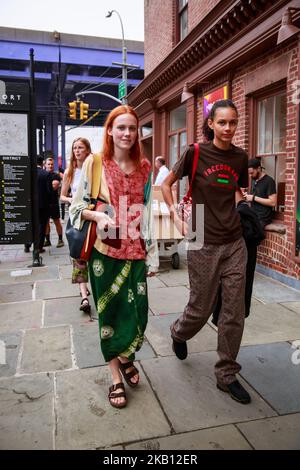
[{"x": 195, "y": 163}]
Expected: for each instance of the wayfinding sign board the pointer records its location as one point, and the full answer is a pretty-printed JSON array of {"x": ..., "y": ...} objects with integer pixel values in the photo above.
[
  {"x": 122, "y": 89},
  {"x": 15, "y": 165}
]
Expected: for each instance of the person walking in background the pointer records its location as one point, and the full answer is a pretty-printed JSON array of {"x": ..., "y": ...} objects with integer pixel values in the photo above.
[
  {"x": 160, "y": 165},
  {"x": 263, "y": 197},
  {"x": 44, "y": 189},
  {"x": 81, "y": 149},
  {"x": 62, "y": 204},
  {"x": 221, "y": 172},
  {"x": 54, "y": 204},
  {"x": 118, "y": 270}
]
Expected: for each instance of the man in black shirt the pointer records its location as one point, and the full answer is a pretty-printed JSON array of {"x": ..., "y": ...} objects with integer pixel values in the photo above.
[
  {"x": 44, "y": 194},
  {"x": 54, "y": 204},
  {"x": 263, "y": 195}
]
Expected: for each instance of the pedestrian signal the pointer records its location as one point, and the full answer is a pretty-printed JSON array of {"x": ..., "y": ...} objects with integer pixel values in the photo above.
[
  {"x": 84, "y": 110},
  {"x": 73, "y": 110}
]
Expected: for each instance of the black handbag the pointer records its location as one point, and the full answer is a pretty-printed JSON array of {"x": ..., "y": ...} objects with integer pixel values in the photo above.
[
  {"x": 76, "y": 238},
  {"x": 81, "y": 241}
]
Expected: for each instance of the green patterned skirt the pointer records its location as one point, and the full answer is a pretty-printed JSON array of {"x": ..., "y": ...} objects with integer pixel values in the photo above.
[{"x": 120, "y": 294}]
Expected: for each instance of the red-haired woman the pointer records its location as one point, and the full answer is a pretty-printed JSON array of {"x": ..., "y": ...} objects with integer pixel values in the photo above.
[
  {"x": 118, "y": 273},
  {"x": 81, "y": 149}
]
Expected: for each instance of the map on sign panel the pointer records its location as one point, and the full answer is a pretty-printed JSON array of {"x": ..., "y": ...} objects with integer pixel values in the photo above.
[{"x": 14, "y": 134}]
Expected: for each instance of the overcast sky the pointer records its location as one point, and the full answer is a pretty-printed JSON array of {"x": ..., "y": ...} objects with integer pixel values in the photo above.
[{"x": 76, "y": 16}]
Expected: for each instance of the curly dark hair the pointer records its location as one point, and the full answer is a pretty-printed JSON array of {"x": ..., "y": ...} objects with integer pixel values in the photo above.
[{"x": 206, "y": 130}]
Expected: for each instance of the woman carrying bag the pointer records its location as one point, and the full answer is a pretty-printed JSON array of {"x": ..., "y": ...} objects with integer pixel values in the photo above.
[
  {"x": 81, "y": 149},
  {"x": 118, "y": 270}
]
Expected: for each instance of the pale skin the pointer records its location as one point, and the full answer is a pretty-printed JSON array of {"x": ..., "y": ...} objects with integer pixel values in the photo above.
[
  {"x": 270, "y": 201},
  {"x": 224, "y": 125},
  {"x": 80, "y": 152},
  {"x": 124, "y": 133}
]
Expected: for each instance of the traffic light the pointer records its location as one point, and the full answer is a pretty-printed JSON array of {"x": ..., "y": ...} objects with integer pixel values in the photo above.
[
  {"x": 73, "y": 110},
  {"x": 84, "y": 110}
]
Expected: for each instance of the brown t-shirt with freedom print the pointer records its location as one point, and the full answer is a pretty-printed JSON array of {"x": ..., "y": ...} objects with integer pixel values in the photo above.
[{"x": 219, "y": 174}]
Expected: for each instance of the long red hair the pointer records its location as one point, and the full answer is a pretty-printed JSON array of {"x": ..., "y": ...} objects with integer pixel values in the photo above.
[{"x": 108, "y": 144}]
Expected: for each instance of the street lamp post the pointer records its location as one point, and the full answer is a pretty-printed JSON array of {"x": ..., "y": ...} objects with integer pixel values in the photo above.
[{"x": 124, "y": 57}]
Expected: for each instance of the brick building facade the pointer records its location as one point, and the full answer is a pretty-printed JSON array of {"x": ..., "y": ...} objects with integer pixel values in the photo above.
[{"x": 229, "y": 47}]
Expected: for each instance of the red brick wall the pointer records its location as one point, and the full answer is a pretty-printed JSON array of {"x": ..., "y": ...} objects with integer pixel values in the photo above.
[
  {"x": 276, "y": 252},
  {"x": 160, "y": 26},
  {"x": 198, "y": 9},
  {"x": 159, "y": 31}
]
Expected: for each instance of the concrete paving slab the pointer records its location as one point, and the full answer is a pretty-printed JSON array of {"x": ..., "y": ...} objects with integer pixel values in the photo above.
[
  {"x": 294, "y": 306},
  {"x": 146, "y": 352},
  {"x": 87, "y": 346},
  {"x": 220, "y": 438},
  {"x": 175, "y": 277},
  {"x": 154, "y": 282},
  {"x": 65, "y": 272},
  {"x": 270, "y": 370},
  {"x": 64, "y": 250},
  {"x": 55, "y": 289},
  {"x": 158, "y": 334},
  {"x": 8, "y": 248},
  {"x": 190, "y": 391},
  {"x": 270, "y": 323},
  {"x": 9, "y": 346},
  {"x": 8, "y": 255},
  {"x": 66, "y": 311},
  {"x": 60, "y": 260},
  {"x": 26, "y": 413},
  {"x": 95, "y": 423},
  {"x": 255, "y": 302},
  {"x": 168, "y": 300},
  {"x": 12, "y": 293},
  {"x": 7, "y": 264},
  {"x": 270, "y": 291},
  {"x": 281, "y": 433},
  {"x": 37, "y": 274},
  {"x": 20, "y": 315},
  {"x": 46, "y": 349}
]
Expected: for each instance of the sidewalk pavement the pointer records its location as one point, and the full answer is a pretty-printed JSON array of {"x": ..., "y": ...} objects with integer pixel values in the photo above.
[{"x": 54, "y": 383}]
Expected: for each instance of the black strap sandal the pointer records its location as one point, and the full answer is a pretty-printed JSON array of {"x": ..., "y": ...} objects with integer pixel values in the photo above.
[
  {"x": 128, "y": 375},
  {"x": 114, "y": 394},
  {"x": 85, "y": 305}
]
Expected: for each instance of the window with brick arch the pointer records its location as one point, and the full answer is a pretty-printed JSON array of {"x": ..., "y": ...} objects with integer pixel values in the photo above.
[
  {"x": 182, "y": 19},
  {"x": 270, "y": 139},
  {"x": 178, "y": 141}
]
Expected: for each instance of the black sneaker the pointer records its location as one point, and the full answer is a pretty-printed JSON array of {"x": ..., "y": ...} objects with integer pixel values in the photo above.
[
  {"x": 237, "y": 392},
  {"x": 180, "y": 349}
]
